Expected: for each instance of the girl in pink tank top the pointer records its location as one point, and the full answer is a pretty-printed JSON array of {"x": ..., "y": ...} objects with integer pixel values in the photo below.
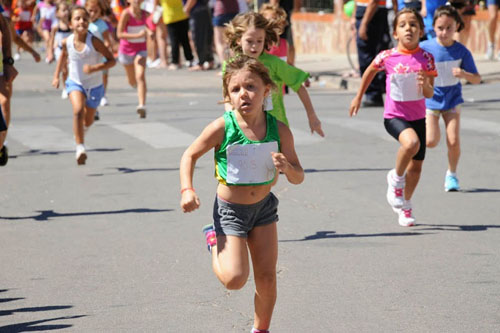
[{"x": 133, "y": 28}]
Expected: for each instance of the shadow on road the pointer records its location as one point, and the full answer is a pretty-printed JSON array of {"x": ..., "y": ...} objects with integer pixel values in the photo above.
[
  {"x": 129, "y": 170},
  {"x": 35, "y": 309},
  {"x": 34, "y": 152},
  {"x": 454, "y": 227},
  {"x": 31, "y": 326},
  {"x": 345, "y": 170},
  {"x": 480, "y": 190},
  {"x": 45, "y": 215},
  {"x": 333, "y": 234}
]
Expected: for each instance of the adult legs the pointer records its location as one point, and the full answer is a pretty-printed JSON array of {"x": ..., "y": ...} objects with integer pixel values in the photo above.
[
  {"x": 173, "y": 34},
  {"x": 220, "y": 45},
  {"x": 492, "y": 27},
  {"x": 184, "y": 39}
]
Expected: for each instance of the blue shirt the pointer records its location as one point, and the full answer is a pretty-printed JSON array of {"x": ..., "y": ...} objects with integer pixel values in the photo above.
[
  {"x": 447, "y": 88},
  {"x": 98, "y": 28}
]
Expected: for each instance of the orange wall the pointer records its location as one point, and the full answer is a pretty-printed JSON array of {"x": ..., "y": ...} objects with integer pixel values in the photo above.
[{"x": 326, "y": 34}]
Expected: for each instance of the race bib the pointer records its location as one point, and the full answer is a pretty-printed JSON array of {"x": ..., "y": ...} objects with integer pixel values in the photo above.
[
  {"x": 250, "y": 163},
  {"x": 404, "y": 87},
  {"x": 134, "y": 29},
  {"x": 445, "y": 76}
]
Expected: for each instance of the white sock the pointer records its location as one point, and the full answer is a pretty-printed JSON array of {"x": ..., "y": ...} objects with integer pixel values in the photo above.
[
  {"x": 449, "y": 173},
  {"x": 398, "y": 178}
]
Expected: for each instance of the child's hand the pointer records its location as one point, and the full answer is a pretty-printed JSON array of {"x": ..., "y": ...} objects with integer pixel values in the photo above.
[
  {"x": 420, "y": 81},
  {"x": 355, "y": 105},
  {"x": 457, "y": 72},
  {"x": 189, "y": 201},
  {"x": 87, "y": 69},
  {"x": 143, "y": 33},
  {"x": 307, "y": 83},
  {"x": 315, "y": 126},
  {"x": 151, "y": 34},
  {"x": 280, "y": 162},
  {"x": 55, "y": 82},
  {"x": 36, "y": 56}
]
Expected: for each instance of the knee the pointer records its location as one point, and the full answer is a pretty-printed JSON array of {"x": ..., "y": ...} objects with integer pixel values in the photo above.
[
  {"x": 235, "y": 281},
  {"x": 78, "y": 113},
  {"x": 412, "y": 146},
  {"x": 266, "y": 281},
  {"x": 453, "y": 143},
  {"x": 431, "y": 143}
]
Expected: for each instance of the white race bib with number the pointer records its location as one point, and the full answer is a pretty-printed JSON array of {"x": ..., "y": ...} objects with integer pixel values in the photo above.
[
  {"x": 134, "y": 29},
  {"x": 250, "y": 163},
  {"x": 404, "y": 87},
  {"x": 445, "y": 76}
]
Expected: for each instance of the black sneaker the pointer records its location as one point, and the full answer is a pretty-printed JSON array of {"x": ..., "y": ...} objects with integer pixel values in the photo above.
[
  {"x": 4, "y": 156},
  {"x": 96, "y": 115}
]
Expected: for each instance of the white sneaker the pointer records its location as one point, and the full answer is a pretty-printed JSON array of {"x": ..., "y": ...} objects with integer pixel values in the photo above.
[
  {"x": 81, "y": 155},
  {"x": 395, "y": 190},
  {"x": 64, "y": 94},
  {"x": 17, "y": 56},
  {"x": 406, "y": 218},
  {"x": 141, "y": 110},
  {"x": 104, "y": 101},
  {"x": 490, "y": 52},
  {"x": 154, "y": 63}
]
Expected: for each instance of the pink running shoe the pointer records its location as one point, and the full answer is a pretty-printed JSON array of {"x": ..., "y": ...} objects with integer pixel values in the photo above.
[{"x": 210, "y": 236}]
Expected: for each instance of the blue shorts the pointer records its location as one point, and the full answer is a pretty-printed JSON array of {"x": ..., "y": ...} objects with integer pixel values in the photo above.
[
  {"x": 220, "y": 20},
  {"x": 493, "y": 2},
  {"x": 93, "y": 95},
  {"x": 238, "y": 219}
]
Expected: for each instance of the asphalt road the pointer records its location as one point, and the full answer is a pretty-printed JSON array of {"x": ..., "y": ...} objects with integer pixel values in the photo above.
[{"x": 105, "y": 248}]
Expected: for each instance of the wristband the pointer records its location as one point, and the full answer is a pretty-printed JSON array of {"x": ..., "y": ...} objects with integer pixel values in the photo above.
[{"x": 187, "y": 189}]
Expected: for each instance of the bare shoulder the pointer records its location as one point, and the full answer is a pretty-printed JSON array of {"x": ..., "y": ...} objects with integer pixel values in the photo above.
[{"x": 284, "y": 131}]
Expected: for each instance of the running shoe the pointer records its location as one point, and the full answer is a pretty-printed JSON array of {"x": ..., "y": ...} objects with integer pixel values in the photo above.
[
  {"x": 64, "y": 94},
  {"x": 451, "y": 184},
  {"x": 405, "y": 215},
  {"x": 210, "y": 236},
  {"x": 141, "y": 110},
  {"x": 394, "y": 190},
  {"x": 104, "y": 101},
  {"x": 81, "y": 155},
  {"x": 17, "y": 56},
  {"x": 4, "y": 155},
  {"x": 96, "y": 115}
]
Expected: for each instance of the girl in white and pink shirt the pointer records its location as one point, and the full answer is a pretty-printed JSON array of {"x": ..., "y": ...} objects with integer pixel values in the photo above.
[{"x": 410, "y": 78}]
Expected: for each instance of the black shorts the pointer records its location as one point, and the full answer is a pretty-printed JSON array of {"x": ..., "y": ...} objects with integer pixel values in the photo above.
[
  {"x": 395, "y": 126},
  {"x": 3, "y": 125}
]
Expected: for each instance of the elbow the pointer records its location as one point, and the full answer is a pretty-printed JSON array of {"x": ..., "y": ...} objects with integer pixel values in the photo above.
[
  {"x": 112, "y": 62},
  {"x": 477, "y": 79}
]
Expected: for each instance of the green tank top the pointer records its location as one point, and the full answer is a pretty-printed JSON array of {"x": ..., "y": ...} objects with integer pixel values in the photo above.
[{"x": 241, "y": 161}]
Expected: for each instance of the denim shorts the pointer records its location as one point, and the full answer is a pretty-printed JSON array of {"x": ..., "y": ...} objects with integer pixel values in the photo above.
[
  {"x": 232, "y": 219},
  {"x": 93, "y": 95},
  {"x": 126, "y": 59}
]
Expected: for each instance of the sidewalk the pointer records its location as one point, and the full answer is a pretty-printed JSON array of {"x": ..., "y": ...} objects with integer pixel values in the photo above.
[{"x": 334, "y": 71}]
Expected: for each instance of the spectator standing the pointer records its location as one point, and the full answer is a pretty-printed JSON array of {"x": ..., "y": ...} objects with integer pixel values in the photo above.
[
  {"x": 202, "y": 32},
  {"x": 224, "y": 11}
]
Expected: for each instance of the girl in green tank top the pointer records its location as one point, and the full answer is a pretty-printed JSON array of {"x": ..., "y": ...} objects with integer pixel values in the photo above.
[{"x": 251, "y": 148}]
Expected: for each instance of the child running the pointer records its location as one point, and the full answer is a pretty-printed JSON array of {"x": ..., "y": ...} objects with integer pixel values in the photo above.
[
  {"x": 410, "y": 74},
  {"x": 453, "y": 62},
  {"x": 132, "y": 32},
  {"x": 84, "y": 53},
  {"x": 59, "y": 32},
  {"x": 250, "y": 34},
  {"x": 23, "y": 24},
  {"x": 250, "y": 148},
  {"x": 47, "y": 12},
  {"x": 99, "y": 28}
]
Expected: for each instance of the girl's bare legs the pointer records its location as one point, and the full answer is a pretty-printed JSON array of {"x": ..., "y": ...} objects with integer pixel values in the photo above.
[
  {"x": 410, "y": 144},
  {"x": 230, "y": 261},
  {"x": 140, "y": 78},
  {"x": 492, "y": 27},
  {"x": 452, "y": 122},
  {"x": 263, "y": 245},
  {"x": 220, "y": 46},
  {"x": 77, "y": 99},
  {"x": 433, "y": 133},
  {"x": 130, "y": 70},
  {"x": 5, "y": 93}
]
